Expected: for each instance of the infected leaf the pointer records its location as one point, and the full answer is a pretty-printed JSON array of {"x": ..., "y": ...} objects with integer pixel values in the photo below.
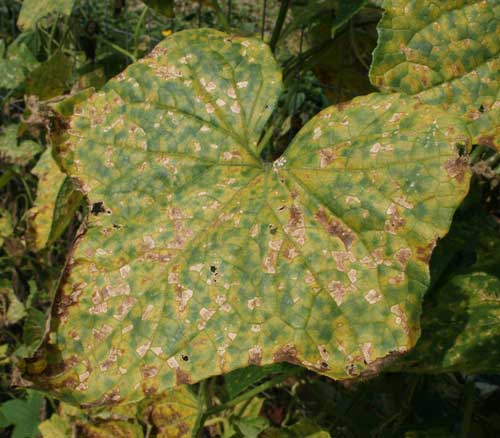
[
  {"x": 111, "y": 428},
  {"x": 55, "y": 427},
  {"x": 55, "y": 203},
  {"x": 174, "y": 413},
  {"x": 200, "y": 258},
  {"x": 445, "y": 53}
]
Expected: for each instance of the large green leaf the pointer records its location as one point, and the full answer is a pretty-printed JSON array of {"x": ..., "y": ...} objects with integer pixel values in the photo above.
[
  {"x": 445, "y": 52},
  {"x": 201, "y": 258},
  {"x": 33, "y": 10}
]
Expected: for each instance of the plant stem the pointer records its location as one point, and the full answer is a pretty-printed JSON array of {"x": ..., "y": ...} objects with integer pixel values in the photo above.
[
  {"x": 138, "y": 29},
  {"x": 279, "y": 24},
  {"x": 254, "y": 391},
  {"x": 468, "y": 407},
  {"x": 355, "y": 47},
  {"x": 200, "y": 4},
  {"x": 117, "y": 48},
  {"x": 265, "y": 138},
  {"x": 52, "y": 33},
  {"x": 475, "y": 155},
  {"x": 26, "y": 187},
  {"x": 220, "y": 16},
  {"x": 264, "y": 11}
]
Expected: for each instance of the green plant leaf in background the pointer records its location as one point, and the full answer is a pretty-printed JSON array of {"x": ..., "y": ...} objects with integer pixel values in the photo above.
[
  {"x": 15, "y": 63},
  {"x": 164, "y": 7},
  {"x": 52, "y": 78},
  {"x": 12, "y": 308},
  {"x": 11, "y": 152},
  {"x": 302, "y": 429},
  {"x": 6, "y": 226},
  {"x": 201, "y": 258},
  {"x": 34, "y": 10},
  {"x": 24, "y": 415},
  {"x": 55, "y": 203},
  {"x": 446, "y": 53}
]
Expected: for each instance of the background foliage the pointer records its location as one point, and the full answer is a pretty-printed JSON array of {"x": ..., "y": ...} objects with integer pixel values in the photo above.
[{"x": 52, "y": 54}]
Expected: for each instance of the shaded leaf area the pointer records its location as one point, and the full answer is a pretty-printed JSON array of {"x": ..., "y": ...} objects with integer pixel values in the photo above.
[
  {"x": 34, "y": 10},
  {"x": 55, "y": 204},
  {"x": 461, "y": 319},
  {"x": 52, "y": 78},
  {"x": 447, "y": 53},
  {"x": 164, "y": 7},
  {"x": 302, "y": 429},
  {"x": 342, "y": 68},
  {"x": 200, "y": 258},
  {"x": 309, "y": 14},
  {"x": 14, "y": 152},
  {"x": 240, "y": 379}
]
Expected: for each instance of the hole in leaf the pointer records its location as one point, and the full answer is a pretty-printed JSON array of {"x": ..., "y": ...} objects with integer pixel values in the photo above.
[
  {"x": 213, "y": 268},
  {"x": 272, "y": 229},
  {"x": 461, "y": 149},
  {"x": 185, "y": 358},
  {"x": 97, "y": 208},
  {"x": 481, "y": 108}
]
